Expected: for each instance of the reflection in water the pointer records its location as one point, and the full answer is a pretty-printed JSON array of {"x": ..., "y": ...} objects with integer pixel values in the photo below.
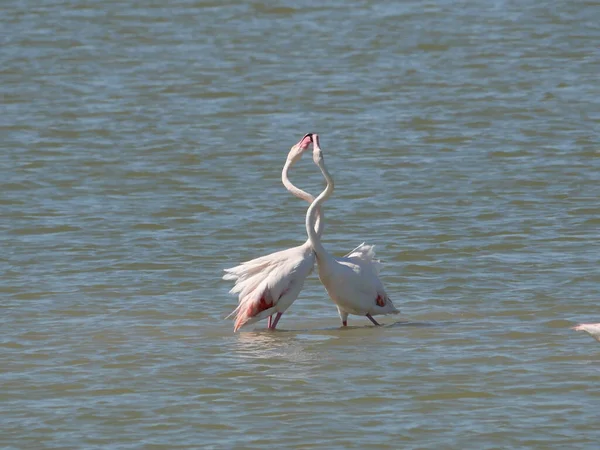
[
  {"x": 419, "y": 324},
  {"x": 271, "y": 345},
  {"x": 275, "y": 354}
]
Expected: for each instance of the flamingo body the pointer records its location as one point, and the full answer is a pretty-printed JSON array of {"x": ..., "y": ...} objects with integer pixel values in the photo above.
[
  {"x": 269, "y": 284},
  {"x": 355, "y": 288}
]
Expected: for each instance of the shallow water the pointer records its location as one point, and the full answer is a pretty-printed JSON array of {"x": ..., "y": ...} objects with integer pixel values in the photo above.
[{"x": 141, "y": 155}]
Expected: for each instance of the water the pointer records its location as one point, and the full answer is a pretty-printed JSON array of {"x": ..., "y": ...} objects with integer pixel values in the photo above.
[{"x": 141, "y": 152}]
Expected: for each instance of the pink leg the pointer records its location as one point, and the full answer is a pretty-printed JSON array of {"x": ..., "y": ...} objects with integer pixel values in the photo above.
[
  {"x": 372, "y": 320},
  {"x": 269, "y": 322},
  {"x": 277, "y": 317}
]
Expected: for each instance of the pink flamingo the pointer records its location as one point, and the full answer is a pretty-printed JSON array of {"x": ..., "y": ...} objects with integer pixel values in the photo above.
[{"x": 352, "y": 283}]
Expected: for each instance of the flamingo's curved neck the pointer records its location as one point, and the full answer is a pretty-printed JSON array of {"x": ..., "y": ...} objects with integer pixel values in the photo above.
[
  {"x": 314, "y": 238},
  {"x": 299, "y": 193}
]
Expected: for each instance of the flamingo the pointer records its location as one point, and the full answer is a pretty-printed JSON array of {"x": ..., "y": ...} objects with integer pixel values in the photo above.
[
  {"x": 593, "y": 329},
  {"x": 270, "y": 284},
  {"x": 352, "y": 283}
]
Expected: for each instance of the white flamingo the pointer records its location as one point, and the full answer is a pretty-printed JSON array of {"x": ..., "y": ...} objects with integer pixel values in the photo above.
[
  {"x": 593, "y": 329},
  {"x": 352, "y": 283},
  {"x": 270, "y": 284}
]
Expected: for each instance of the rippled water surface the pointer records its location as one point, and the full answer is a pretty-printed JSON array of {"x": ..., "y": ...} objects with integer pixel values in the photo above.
[{"x": 141, "y": 150}]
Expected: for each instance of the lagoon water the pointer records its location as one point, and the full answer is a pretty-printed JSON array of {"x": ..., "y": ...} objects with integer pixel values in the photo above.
[{"x": 141, "y": 150}]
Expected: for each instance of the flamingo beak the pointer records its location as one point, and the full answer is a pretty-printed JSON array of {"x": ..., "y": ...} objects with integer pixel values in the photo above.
[
  {"x": 305, "y": 141},
  {"x": 315, "y": 140}
]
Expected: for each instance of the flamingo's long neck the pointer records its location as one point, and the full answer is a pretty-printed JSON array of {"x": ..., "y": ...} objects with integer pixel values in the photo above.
[
  {"x": 314, "y": 238},
  {"x": 299, "y": 193}
]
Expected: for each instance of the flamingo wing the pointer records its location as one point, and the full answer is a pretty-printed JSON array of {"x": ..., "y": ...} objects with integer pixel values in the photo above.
[
  {"x": 272, "y": 290},
  {"x": 365, "y": 253},
  {"x": 256, "y": 266}
]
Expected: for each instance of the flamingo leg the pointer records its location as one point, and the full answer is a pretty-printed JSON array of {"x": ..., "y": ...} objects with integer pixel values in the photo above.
[
  {"x": 277, "y": 317},
  {"x": 370, "y": 317},
  {"x": 269, "y": 322}
]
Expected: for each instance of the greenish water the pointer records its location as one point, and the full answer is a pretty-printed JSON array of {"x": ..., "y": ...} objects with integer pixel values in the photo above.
[{"x": 141, "y": 151}]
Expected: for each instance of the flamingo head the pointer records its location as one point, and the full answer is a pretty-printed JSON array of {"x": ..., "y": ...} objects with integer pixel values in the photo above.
[{"x": 297, "y": 150}]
